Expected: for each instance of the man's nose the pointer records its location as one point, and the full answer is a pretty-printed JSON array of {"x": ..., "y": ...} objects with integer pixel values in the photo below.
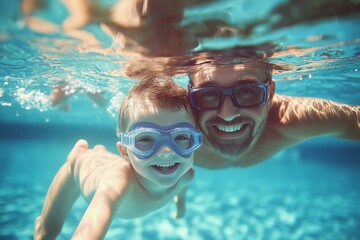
[{"x": 228, "y": 111}]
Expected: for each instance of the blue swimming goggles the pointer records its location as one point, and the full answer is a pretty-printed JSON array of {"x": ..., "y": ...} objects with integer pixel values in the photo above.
[
  {"x": 243, "y": 95},
  {"x": 144, "y": 139}
]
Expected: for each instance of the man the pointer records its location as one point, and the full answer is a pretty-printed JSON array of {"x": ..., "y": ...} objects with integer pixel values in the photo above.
[{"x": 244, "y": 122}]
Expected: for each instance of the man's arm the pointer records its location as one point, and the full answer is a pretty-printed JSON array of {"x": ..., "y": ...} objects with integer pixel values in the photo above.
[{"x": 302, "y": 118}]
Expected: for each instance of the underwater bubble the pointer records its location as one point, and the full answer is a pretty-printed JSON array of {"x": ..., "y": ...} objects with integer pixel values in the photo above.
[
  {"x": 33, "y": 99},
  {"x": 115, "y": 102}
]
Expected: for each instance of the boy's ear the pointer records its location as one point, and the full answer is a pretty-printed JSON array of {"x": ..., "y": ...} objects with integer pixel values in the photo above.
[{"x": 122, "y": 149}]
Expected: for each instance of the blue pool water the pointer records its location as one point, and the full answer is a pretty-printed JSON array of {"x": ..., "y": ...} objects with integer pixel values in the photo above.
[{"x": 310, "y": 191}]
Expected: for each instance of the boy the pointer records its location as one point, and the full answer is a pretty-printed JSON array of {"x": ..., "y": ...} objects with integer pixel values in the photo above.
[{"x": 157, "y": 141}]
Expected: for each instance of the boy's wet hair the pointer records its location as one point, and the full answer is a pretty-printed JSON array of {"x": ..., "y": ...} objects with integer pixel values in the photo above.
[{"x": 161, "y": 92}]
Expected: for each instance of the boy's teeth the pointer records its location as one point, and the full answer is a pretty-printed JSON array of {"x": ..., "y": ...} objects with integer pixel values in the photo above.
[
  {"x": 165, "y": 165},
  {"x": 229, "y": 129}
]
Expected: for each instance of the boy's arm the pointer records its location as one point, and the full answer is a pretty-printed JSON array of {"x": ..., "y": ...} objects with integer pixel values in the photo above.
[
  {"x": 100, "y": 177},
  {"x": 302, "y": 118},
  {"x": 60, "y": 197},
  {"x": 180, "y": 200},
  {"x": 98, "y": 216},
  {"x": 103, "y": 178}
]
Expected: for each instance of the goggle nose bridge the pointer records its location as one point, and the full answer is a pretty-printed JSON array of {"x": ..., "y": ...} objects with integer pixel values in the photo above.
[{"x": 229, "y": 92}]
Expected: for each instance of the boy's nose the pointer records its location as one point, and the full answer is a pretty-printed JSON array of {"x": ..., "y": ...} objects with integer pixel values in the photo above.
[
  {"x": 166, "y": 152},
  {"x": 228, "y": 111}
]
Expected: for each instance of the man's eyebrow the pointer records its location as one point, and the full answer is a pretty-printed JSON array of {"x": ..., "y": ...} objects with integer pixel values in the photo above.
[
  {"x": 252, "y": 77},
  {"x": 236, "y": 82},
  {"x": 208, "y": 83},
  {"x": 247, "y": 80},
  {"x": 251, "y": 81}
]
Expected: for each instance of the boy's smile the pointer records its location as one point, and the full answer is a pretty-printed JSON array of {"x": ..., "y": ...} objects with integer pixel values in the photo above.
[{"x": 165, "y": 166}]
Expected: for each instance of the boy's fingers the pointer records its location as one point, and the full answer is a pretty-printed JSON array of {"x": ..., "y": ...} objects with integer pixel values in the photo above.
[
  {"x": 99, "y": 147},
  {"x": 79, "y": 147}
]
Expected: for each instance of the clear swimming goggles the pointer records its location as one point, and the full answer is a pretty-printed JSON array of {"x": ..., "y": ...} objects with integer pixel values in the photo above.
[{"x": 144, "y": 139}]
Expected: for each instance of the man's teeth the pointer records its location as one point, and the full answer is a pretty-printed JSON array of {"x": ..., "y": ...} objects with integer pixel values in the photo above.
[
  {"x": 229, "y": 129},
  {"x": 165, "y": 165}
]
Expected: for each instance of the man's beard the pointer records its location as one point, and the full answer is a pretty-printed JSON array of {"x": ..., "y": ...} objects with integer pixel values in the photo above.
[{"x": 233, "y": 147}]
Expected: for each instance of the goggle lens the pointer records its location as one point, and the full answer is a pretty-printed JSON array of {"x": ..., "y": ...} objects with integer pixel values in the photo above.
[
  {"x": 145, "y": 139},
  {"x": 243, "y": 95},
  {"x": 183, "y": 139},
  {"x": 248, "y": 95}
]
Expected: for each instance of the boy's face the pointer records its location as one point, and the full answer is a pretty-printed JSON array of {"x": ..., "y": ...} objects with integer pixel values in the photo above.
[{"x": 165, "y": 166}]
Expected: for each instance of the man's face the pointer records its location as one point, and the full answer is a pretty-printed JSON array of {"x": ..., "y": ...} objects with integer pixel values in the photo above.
[{"x": 231, "y": 129}]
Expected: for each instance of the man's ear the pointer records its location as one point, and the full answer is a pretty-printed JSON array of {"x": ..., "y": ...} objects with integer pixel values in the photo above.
[
  {"x": 122, "y": 149},
  {"x": 272, "y": 90}
]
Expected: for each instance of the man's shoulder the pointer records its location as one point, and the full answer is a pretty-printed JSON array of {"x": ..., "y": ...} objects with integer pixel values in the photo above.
[
  {"x": 283, "y": 107},
  {"x": 279, "y": 108},
  {"x": 282, "y": 99},
  {"x": 282, "y": 116}
]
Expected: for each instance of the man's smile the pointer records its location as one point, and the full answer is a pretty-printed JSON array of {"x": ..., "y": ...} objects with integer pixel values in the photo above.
[
  {"x": 234, "y": 131},
  {"x": 229, "y": 128},
  {"x": 239, "y": 128}
]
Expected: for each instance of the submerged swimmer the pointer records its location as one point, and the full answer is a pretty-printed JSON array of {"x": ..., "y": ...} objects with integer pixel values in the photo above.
[
  {"x": 148, "y": 27},
  {"x": 244, "y": 122},
  {"x": 60, "y": 96},
  {"x": 157, "y": 141}
]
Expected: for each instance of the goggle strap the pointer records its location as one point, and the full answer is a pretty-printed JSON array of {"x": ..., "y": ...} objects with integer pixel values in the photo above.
[{"x": 124, "y": 139}]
